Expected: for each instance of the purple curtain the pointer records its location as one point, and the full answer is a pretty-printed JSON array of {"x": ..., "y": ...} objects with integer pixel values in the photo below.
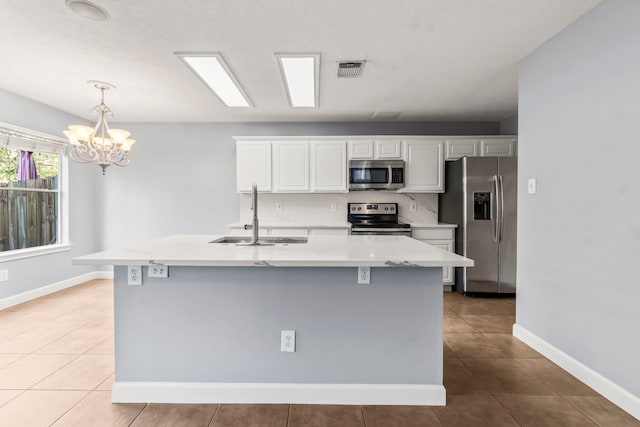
[{"x": 27, "y": 166}]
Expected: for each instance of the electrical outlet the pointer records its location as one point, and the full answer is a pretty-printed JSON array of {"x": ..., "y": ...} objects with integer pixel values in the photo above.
[
  {"x": 413, "y": 206},
  {"x": 288, "y": 341},
  {"x": 4, "y": 275},
  {"x": 532, "y": 186},
  {"x": 161, "y": 271},
  {"x": 334, "y": 207},
  {"x": 279, "y": 207},
  {"x": 364, "y": 275},
  {"x": 134, "y": 275}
]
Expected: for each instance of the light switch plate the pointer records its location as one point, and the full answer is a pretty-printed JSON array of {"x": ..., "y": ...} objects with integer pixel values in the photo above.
[
  {"x": 532, "y": 186},
  {"x": 413, "y": 207}
]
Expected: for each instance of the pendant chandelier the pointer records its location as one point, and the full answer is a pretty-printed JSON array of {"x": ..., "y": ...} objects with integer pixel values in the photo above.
[{"x": 100, "y": 144}]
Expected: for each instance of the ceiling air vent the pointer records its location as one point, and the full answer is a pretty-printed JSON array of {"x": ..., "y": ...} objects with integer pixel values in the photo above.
[{"x": 350, "y": 69}]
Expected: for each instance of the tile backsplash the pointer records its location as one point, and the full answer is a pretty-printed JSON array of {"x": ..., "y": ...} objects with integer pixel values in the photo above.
[{"x": 282, "y": 208}]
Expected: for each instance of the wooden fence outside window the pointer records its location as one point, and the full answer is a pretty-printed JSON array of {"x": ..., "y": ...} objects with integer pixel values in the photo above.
[{"x": 29, "y": 213}]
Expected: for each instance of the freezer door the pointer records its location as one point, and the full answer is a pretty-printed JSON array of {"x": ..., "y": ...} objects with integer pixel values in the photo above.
[
  {"x": 508, "y": 171},
  {"x": 480, "y": 228}
]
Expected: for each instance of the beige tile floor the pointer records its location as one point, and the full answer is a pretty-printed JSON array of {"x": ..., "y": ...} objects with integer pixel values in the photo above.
[{"x": 56, "y": 369}]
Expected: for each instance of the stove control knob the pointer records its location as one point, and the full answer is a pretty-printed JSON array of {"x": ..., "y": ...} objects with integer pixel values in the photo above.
[
  {"x": 386, "y": 208},
  {"x": 359, "y": 208}
]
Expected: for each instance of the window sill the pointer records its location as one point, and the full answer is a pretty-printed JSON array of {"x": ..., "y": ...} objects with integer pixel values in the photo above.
[{"x": 31, "y": 252}]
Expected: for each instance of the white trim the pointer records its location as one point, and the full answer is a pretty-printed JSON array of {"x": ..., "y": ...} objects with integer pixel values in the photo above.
[
  {"x": 337, "y": 394},
  {"x": 54, "y": 287},
  {"x": 104, "y": 274},
  {"x": 31, "y": 252},
  {"x": 411, "y": 137},
  {"x": 612, "y": 391}
]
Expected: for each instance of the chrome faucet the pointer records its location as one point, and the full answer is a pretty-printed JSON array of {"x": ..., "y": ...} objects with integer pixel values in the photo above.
[{"x": 254, "y": 225}]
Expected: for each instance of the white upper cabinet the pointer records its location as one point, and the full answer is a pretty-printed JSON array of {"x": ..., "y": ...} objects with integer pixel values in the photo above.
[
  {"x": 290, "y": 166},
  {"x": 375, "y": 149},
  {"x": 361, "y": 149},
  {"x": 457, "y": 148},
  {"x": 424, "y": 166},
  {"x": 497, "y": 147},
  {"x": 253, "y": 165},
  {"x": 328, "y": 166},
  {"x": 388, "y": 149}
]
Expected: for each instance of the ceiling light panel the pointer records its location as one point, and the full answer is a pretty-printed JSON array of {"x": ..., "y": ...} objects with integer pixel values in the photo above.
[
  {"x": 300, "y": 74},
  {"x": 215, "y": 73}
]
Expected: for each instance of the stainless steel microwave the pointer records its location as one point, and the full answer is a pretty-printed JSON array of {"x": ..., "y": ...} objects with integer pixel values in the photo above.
[{"x": 376, "y": 174}]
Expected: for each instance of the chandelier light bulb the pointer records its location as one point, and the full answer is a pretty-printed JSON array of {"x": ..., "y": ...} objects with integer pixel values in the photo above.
[{"x": 100, "y": 144}]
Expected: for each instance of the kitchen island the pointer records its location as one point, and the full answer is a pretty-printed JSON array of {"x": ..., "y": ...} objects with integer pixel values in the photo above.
[{"x": 210, "y": 332}]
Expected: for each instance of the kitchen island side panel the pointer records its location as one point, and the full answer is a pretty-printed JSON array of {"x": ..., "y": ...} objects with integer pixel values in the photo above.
[{"x": 223, "y": 325}]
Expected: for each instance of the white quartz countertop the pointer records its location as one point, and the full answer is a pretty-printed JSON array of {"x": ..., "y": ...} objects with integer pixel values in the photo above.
[
  {"x": 292, "y": 225},
  {"x": 437, "y": 225},
  {"x": 320, "y": 251}
]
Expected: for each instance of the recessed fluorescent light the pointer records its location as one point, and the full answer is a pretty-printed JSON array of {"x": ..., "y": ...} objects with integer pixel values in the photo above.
[
  {"x": 215, "y": 73},
  {"x": 300, "y": 73}
]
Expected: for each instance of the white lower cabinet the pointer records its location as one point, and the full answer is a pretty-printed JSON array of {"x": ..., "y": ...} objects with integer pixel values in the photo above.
[{"x": 440, "y": 237}]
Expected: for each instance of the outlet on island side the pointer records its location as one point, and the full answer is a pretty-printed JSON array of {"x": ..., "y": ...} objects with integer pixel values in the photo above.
[
  {"x": 364, "y": 275},
  {"x": 161, "y": 271},
  {"x": 288, "y": 341},
  {"x": 4, "y": 275},
  {"x": 134, "y": 275}
]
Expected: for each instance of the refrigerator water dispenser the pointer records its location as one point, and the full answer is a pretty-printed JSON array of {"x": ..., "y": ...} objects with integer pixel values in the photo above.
[{"x": 481, "y": 206}]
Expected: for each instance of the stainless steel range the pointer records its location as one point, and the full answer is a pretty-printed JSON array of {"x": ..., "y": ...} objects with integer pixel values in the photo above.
[{"x": 376, "y": 219}]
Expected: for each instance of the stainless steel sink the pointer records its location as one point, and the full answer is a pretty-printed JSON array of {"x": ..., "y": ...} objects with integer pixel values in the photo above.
[{"x": 264, "y": 241}]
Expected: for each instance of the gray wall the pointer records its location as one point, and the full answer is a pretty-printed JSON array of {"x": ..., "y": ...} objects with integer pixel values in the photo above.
[
  {"x": 579, "y": 237},
  {"x": 223, "y": 325},
  {"x": 31, "y": 273},
  {"x": 183, "y": 175}
]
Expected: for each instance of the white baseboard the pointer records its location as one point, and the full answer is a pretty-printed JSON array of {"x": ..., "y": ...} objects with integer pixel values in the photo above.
[
  {"x": 335, "y": 394},
  {"x": 612, "y": 391},
  {"x": 54, "y": 287}
]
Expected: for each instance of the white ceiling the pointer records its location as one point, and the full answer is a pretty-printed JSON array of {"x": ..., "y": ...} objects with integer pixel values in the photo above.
[{"x": 428, "y": 59}]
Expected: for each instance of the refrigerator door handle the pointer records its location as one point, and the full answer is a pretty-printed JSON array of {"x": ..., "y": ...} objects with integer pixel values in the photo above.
[
  {"x": 500, "y": 225},
  {"x": 494, "y": 209}
]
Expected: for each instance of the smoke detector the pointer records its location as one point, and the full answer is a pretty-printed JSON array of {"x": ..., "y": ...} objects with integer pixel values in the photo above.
[{"x": 350, "y": 69}]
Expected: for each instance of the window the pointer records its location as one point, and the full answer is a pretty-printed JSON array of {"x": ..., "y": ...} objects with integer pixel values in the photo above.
[{"x": 31, "y": 169}]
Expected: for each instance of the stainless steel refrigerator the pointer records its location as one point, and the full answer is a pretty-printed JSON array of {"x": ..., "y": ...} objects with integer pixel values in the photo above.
[{"x": 481, "y": 197}]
